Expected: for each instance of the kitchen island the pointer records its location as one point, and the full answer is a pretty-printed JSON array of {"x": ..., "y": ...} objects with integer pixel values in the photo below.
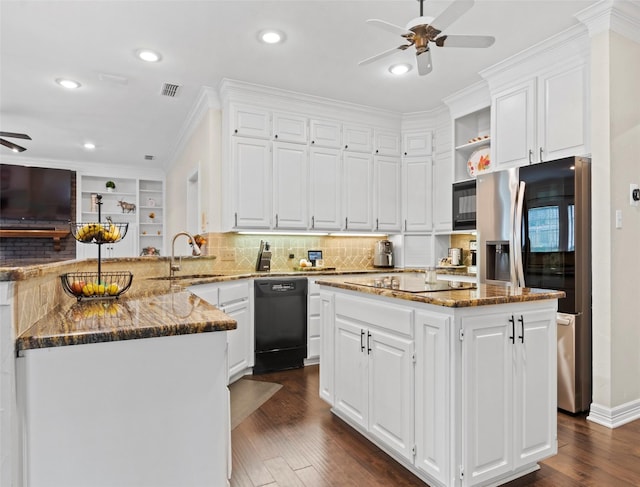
[{"x": 458, "y": 385}]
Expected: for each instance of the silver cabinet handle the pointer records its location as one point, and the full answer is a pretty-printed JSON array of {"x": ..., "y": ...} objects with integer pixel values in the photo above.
[
  {"x": 541, "y": 160},
  {"x": 405, "y": 225},
  {"x": 530, "y": 156},
  {"x": 346, "y": 222},
  {"x": 276, "y": 220},
  {"x": 377, "y": 224},
  {"x": 236, "y": 219},
  {"x": 313, "y": 222}
]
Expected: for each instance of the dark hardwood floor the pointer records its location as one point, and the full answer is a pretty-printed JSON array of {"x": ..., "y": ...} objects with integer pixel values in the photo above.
[{"x": 294, "y": 440}]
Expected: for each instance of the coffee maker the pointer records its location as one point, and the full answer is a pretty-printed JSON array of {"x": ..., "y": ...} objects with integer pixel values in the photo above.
[{"x": 383, "y": 254}]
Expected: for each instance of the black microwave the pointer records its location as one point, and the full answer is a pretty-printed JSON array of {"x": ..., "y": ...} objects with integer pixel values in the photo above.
[{"x": 464, "y": 205}]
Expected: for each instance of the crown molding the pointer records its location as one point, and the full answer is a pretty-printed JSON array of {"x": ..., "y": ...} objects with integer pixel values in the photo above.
[
  {"x": 468, "y": 100},
  {"x": 620, "y": 16}
]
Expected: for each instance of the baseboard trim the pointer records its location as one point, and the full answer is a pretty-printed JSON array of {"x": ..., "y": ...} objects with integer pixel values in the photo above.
[{"x": 616, "y": 416}]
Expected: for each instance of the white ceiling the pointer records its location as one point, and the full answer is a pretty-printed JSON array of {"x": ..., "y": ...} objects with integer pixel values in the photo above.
[{"x": 207, "y": 40}]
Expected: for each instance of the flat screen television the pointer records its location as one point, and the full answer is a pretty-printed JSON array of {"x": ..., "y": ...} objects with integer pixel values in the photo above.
[{"x": 34, "y": 193}]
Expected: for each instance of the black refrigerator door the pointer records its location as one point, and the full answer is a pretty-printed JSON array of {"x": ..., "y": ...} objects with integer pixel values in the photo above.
[{"x": 549, "y": 229}]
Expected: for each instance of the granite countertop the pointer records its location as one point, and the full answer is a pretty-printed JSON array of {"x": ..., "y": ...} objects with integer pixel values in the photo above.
[
  {"x": 170, "y": 313},
  {"x": 484, "y": 294}
]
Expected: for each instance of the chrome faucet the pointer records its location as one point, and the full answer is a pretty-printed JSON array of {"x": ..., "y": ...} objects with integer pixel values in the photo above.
[{"x": 173, "y": 266}]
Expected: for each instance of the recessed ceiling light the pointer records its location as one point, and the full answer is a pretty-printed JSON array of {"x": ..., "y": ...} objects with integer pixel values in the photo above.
[
  {"x": 400, "y": 69},
  {"x": 271, "y": 36},
  {"x": 148, "y": 55},
  {"x": 68, "y": 83},
  {"x": 89, "y": 145}
]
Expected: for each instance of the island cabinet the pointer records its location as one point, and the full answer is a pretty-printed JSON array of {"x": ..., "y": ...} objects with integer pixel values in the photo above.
[{"x": 461, "y": 396}]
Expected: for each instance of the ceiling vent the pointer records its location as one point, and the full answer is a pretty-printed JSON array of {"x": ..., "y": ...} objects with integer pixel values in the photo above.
[
  {"x": 149, "y": 158},
  {"x": 169, "y": 89}
]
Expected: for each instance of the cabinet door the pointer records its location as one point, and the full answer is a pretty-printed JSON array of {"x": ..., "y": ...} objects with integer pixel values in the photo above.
[
  {"x": 290, "y": 190},
  {"x": 418, "y": 194},
  {"x": 289, "y": 128},
  {"x": 327, "y": 327},
  {"x": 442, "y": 181},
  {"x": 358, "y": 190},
  {"x": 351, "y": 360},
  {"x": 325, "y": 133},
  {"x": 387, "y": 143},
  {"x": 313, "y": 321},
  {"x": 250, "y": 122},
  {"x": 563, "y": 123},
  {"x": 418, "y": 143},
  {"x": 357, "y": 138},
  {"x": 240, "y": 343},
  {"x": 535, "y": 387},
  {"x": 513, "y": 126},
  {"x": 487, "y": 397},
  {"x": 433, "y": 395},
  {"x": 251, "y": 160},
  {"x": 325, "y": 188},
  {"x": 391, "y": 387},
  {"x": 388, "y": 184}
]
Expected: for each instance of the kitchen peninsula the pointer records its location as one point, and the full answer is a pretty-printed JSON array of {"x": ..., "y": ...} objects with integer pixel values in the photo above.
[{"x": 458, "y": 385}]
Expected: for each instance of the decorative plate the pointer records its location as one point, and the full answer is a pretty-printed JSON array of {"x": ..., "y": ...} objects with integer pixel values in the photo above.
[{"x": 479, "y": 161}]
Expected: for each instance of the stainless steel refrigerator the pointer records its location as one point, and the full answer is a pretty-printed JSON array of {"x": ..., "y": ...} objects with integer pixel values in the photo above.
[{"x": 533, "y": 227}]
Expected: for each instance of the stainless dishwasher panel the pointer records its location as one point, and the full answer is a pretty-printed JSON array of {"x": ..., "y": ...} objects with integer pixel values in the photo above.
[{"x": 567, "y": 362}]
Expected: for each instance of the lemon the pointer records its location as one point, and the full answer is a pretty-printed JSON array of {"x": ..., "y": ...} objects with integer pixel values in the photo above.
[{"x": 113, "y": 289}]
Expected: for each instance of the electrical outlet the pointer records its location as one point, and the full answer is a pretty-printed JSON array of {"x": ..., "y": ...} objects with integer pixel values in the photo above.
[
  {"x": 228, "y": 255},
  {"x": 634, "y": 195}
]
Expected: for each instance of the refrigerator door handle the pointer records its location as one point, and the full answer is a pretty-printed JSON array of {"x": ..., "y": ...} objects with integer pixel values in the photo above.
[
  {"x": 517, "y": 237},
  {"x": 513, "y": 186}
]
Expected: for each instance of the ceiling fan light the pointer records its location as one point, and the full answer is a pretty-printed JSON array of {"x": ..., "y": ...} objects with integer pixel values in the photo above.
[
  {"x": 89, "y": 145},
  {"x": 148, "y": 55},
  {"x": 271, "y": 36},
  {"x": 400, "y": 69},
  {"x": 68, "y": 83}
]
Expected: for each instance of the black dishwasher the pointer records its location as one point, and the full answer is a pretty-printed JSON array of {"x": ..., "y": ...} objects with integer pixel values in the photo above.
[{"x": 280, "y": 324}]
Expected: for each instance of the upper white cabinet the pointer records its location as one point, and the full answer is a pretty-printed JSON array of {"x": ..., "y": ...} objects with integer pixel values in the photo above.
[
  {"x": 542, "y": 118},
  {"x": 418, "y": 194},
  {"x": 387, "y": 143},
  {"x": 325, "y": 189},
  {"x": 358, "y": 190},
  {"x": 388, "y": 193},
  {"x": 442, "y": 193},
  {"x": 249, "y": 121},
  {"x": 417, "y": 143},
  {"x": 290, "y": 185},
  {"x": 325, "y": 133},
  {"x": 357, "y": 138},
  {"x": 252, "y": 192},
  {"x": 288, "y": 127}
]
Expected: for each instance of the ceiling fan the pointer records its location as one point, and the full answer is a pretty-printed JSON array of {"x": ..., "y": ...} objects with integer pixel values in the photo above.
[
  {"x": 11, "y": 145},
  {"x": 423, "y": 30}
]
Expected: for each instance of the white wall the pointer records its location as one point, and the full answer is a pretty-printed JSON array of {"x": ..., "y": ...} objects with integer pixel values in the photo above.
[{"x": 616, "y": 263}]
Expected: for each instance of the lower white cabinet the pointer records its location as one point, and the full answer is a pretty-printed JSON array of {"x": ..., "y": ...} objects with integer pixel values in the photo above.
[{"x": 313, "y": 321}]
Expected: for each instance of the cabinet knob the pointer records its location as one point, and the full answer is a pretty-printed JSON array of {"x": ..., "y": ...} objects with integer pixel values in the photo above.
[
  {"x": 405, "y": 153},
  {"x": 377, "y": 151},
  {"x": 276, "y": 136},
  {"x": 346, "y": 146},
  {"x": 313, "y": 141},
  {"x": 235, "y": 131}
]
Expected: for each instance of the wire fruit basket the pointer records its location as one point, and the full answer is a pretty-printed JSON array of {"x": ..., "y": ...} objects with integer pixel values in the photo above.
[
  {"x": 93, "y": 285},
  {"x": 95, "y": 232}
]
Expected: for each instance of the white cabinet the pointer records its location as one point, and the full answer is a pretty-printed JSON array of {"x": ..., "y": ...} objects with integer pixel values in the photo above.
[
  {"x": 388, "y": 193},
  {"x": 138, "y": 202},
  {"x": 417, "y": 143},
  {"x": 249, "y": 121},
  {"x": 252, "y": 192},
  {"x": 325, "y": 133},
  {"x": 313, "y": 321},
  {"x": 358, "y": 190},
  {"x": 288, "y": 127},
  {"x": 290, "y": 185},
  {"x": 357, "y": 138},
  {"x": 434, "y": 413},
  {"x": 327, "y": 346},
  {"x": 442, "y": 195},
  {"x": 387, "y": 143},
  {"x": 325, "y": 188},
  {"x": 418, "y": 194},
  {"x": 374, "y": 376},
  {"x": 508, "y": 367},
  {"x": 471, "y": 133},
  {"x": 542, "y": 118}
]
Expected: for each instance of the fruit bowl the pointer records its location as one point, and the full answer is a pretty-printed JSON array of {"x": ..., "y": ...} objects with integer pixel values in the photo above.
[
  {"x": 91, "y": 285},
  {"x": 99, "y": 232}
]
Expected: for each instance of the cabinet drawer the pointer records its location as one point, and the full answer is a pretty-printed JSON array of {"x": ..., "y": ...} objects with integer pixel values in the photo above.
[
  {"x": 233, "y": 292},
  {"x": 373, "y": 313}
]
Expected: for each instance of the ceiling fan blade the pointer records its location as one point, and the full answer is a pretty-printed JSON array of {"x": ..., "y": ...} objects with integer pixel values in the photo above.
[
  {"x": 465, "y": 41},
  {"x": 457, "y": 9},
  {"x": 423, "y": 60},
  {"x": 381, "y": 55},
  {"x": 13, "y": 135},
  {"x": 12, "y": 146},
  {"x": 384, "y": 25}
]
